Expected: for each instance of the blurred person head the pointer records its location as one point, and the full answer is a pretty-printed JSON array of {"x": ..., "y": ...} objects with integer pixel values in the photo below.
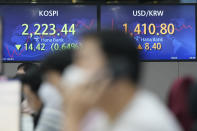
[
  {"x": 102, "y": 56},
  {"x": 107, "y": 55},
  {"x": 31, "y": 82},
  {"x": 53, "y": 66},
  {"x": 21, "y": 71},
  {"x": 24, "y": 67},
  {"x": 112, "y": 51}
]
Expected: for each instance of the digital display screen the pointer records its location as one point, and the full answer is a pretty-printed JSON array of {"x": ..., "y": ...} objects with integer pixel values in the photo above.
[
  {"x": 1, "y": 65},
  {"x": 30, "y": 32},
  {"x": 163, "y": 32}
]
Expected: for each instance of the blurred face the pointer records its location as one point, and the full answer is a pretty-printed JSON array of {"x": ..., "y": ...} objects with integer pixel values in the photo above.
[
  {"x": 32, "y": 98},
  {"x": 90, "y": 56}
]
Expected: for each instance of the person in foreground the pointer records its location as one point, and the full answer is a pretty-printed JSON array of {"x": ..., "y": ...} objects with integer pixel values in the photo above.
[{"x": 107, "y": 96}]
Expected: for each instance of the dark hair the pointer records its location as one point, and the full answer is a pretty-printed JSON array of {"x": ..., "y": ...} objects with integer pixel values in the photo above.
[
  {"x": 26, "y": 66},
  {"x": 57, "y": 61},
  {"x": 121, "y": 52},
  {"x": 33, "y": 79}
]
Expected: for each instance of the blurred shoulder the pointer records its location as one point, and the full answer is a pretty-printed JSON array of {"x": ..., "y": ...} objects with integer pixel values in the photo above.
[{"x": 146, "y": 111}]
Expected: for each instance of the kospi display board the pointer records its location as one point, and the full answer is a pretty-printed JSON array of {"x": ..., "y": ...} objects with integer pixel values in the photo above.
[
  {"x": 30, "y": 32},
  {"x": 163, "y": 32}
]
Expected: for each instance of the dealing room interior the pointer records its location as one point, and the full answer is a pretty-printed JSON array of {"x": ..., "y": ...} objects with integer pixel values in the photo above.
[{"x": 98, "y": 65}]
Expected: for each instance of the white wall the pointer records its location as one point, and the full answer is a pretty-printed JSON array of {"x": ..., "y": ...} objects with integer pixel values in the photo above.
[
  {"x": 9, "y": 69},
  {"x": 157, "y": 76},
  {"x": 188, "y": 68}
]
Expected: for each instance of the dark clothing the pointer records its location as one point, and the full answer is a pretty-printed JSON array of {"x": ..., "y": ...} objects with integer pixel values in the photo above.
[
  {"x": 36, "y": 117},
  {"x": 179, "y": 101},
  {"x": 194, "y": 128}
]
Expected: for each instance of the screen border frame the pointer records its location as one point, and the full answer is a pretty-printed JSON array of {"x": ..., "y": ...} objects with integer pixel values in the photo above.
[
  {"x": 57, "y": 3},
  {"x": 1, "y": 48},
  {"x": 98, "y": 6},
  {"x": 179, "y": 4}
]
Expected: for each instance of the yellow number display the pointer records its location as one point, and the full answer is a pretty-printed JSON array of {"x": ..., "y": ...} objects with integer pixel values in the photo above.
[
  {"x": 144, "y": 25},
  {"x": 26, "y": 28},
  {"x": 46, "y": 27},
  {"x": 147, "y": 46},
  {"x": 52, "y": 29},
  {"x": 154, "y": 46},
  {"x": 163, "y": 30},
  {"x": 125, "y": 27},
  {"x": 64, "y": 46},
  {"x": 38, "y": 47},
  {"x": 171, "y": 26},
  {"x": 65, "y": 29},
  {"x": 26, "y": 47},
  {"x": 45, "y": 30},
  {"x": 137, "y": 29},
  {"x": 30, "y": 47},
  {"x": 72, "y": 29},
  {"x": 43, "y": 47},
  {"x": 37, "y": 30},
  {"x": 157, "y": 46},
  {"x": 152, "y": 29}
]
